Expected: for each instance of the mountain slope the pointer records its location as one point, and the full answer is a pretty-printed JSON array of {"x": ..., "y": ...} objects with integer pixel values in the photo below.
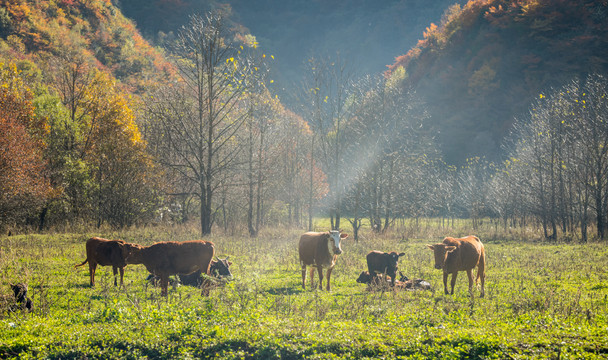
[
  {"x": 367, "y": 33},
  {"x": 95, "y": 30},
  {"x": 487, "y": 61}
]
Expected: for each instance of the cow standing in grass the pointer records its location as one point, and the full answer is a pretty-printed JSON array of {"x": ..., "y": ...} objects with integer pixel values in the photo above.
[
  {"x": 320, "y": 250},
  {"x": 464, "y": 254},
  {"x": 106, "y": 253},
  {"x": 174, "y": 258},
  {"x": 379, "y": 262}
]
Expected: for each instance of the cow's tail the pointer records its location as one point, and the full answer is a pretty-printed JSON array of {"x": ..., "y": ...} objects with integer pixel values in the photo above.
[{"x": 84, "y": 262}]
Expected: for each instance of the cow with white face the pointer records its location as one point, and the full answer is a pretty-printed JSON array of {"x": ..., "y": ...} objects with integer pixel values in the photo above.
[{"x": 320, "y": 250}]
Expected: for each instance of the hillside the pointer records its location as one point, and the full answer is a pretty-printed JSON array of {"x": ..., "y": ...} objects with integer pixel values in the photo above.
[
  {"x": 368, "y": 33},
  {"x": 487, "y": 61},
  {"x": 96, "y": 31}
]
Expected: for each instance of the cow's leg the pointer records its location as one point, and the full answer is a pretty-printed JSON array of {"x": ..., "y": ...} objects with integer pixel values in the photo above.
[
  {"x": 92, "y": 267},
  {"x": 329, "y": 277},
  {"x": 205, "y": 287},
  {"x": 481, "y": 274},
  {"x": 453, "y": 282},
  {"x": 304, "y": 277},
  {"x": 470, "y": 275},
  {"x": 164, "y": 284},
  {"x": 115, "y": 272},
  {"x": 312, "y": 278},
  {"x": 122, "y": 274},
  {"x": 320, "y": 270},
  {"x": 445, "y": 282}
]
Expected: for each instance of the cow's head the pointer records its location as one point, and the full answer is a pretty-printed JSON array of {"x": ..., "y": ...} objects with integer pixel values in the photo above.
[
  {"x": 221, "y": 267},
  {"x": 364, "y": 278},
  {"x": 441, "y": 252},
  {"x": 334, "y": 241},
  {"x": 391, "y": 261},
  {"x": 131, "y": 253}
]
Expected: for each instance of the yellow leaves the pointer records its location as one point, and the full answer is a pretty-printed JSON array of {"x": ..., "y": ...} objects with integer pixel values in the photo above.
[
  {"x": 271, "y": 81},
  {"x": 542, "y": 96}
]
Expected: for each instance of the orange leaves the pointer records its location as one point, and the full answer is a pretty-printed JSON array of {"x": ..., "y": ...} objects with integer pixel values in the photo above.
[{"x": 21, "y": 162}]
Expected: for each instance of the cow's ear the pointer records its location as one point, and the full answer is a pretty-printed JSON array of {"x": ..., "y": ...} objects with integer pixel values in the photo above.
[
  {"x": 402, "y": 254},
  {"x": 450, "y": 248},
  {"x": 430, "y": 247},
  {"x": 343, "y": 236},
  {"x": 229, "y": 262}
]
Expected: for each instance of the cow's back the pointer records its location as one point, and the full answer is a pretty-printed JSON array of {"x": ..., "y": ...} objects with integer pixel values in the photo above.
[
  {"x": 313, "y": 249},
  {"x": 105, "y": 252},
  {"x": 470, "y": 251},
  {"x": 174, "y": 257}
]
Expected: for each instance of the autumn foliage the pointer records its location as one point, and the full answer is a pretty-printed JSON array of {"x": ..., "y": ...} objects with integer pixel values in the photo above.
[{"x": 24, "y": 185}]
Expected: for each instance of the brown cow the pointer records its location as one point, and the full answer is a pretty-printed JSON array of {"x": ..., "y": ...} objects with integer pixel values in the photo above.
[
  {"x": 464, "y": 254},
  {"x": 174, "y": 258},
  {"x": 319, "y": 249},
  {"x": 379, "y": 262},
  {"x": 106, "y": 253}
]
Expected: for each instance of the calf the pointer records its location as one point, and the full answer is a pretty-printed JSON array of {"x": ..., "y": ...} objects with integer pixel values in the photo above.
[
  {"x": 319, "y": 249},
  {"x": 106, "y": 253},
  {"x": 366, "y": 278},
  {"x": 174, "y": 258},
  {"x": 413, "y": 284},
  {"x": 464, "y": 254},
  {"x": 383, "y": 263},
  {"x": 219, "y": 268},
  {"x": 376, "y": 282}
]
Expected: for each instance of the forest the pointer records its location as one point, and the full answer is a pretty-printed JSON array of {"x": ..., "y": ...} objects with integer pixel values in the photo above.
[{"x": 102, "y": 128}]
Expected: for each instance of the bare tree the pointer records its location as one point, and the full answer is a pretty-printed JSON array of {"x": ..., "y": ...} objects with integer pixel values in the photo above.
[{"x": 197, "y": 118}]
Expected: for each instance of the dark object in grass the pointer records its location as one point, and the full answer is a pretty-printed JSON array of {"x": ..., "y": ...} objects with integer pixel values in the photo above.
[{"x": 23, "y": 302}]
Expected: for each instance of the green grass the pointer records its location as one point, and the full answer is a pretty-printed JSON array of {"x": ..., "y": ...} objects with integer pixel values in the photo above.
[{"x": 542, "y": 301}]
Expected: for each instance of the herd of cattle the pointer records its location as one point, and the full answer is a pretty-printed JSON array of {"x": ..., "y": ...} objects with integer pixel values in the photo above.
[{"x": 192, "y": 261}]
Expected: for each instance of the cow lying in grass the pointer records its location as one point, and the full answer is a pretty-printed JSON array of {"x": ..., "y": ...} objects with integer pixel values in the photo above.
[
  {"x": 378, "y": 283},
  {"x": 106, "y": 253},
  {"x": 464, "y": 254},
  {"x": 164, "y": 259},
  {"x": 218, "y": 270}
]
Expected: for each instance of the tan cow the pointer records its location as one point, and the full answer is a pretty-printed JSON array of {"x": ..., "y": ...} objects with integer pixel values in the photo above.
[
  {"x": 464, "y": 254},
  {"x": 174, "y": 258},
  {"x": 106, "y": 252},
  {"x": 320, "y": 250}
]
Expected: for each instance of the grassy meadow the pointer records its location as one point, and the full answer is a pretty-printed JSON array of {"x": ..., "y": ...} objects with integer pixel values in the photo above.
[{"x": 542, "y": 301}]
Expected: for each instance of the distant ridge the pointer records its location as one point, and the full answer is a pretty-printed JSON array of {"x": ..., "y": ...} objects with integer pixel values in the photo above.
[{"x": 486, "y": 62}]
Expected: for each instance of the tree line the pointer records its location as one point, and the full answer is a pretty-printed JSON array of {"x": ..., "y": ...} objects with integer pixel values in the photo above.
[{"x": 214, "y": 144}]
